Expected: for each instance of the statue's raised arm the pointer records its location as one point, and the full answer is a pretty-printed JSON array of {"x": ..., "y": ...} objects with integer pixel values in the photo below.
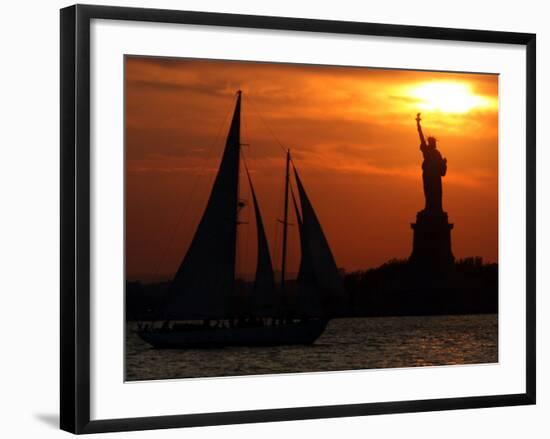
[
  {"x": 434, "y": 166},
  {"x": 420, "y": 133}
]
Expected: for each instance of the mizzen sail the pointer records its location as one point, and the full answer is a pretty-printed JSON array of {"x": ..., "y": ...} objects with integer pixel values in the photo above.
[
  {"x": 318, "y": 267},
  {"x": 307, "y": 301},
  {"x": 204, "y": 283}
]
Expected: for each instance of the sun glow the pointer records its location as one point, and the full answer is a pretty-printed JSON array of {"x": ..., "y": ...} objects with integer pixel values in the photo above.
[{"x": 447, "y": 97}]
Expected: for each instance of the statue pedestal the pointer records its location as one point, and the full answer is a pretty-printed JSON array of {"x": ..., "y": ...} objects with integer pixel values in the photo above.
[{"x": 432, "y": 241}]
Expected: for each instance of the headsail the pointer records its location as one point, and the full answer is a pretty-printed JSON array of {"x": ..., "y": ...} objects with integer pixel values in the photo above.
[
  {"x": 204, "y": 282},
  {"x": 264, "y": 298},
  {"x": 318, "y": 265}
]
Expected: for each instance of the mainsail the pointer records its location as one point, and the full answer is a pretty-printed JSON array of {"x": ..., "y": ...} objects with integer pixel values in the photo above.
[
  {"x": 264, "y": 298},
  {"x": 204, "y": 283},
  {"x": 318, "y": 267}
]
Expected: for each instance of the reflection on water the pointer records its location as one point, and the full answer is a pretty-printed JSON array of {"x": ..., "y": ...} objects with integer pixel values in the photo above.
[{"x": 347, "y": 344}]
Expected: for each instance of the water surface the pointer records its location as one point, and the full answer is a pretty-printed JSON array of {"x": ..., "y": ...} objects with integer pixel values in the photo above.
[{"x": 346, "y": 344}]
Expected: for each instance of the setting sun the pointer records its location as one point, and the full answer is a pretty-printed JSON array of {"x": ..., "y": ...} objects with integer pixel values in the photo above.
[{"x": 447, "y": 97}]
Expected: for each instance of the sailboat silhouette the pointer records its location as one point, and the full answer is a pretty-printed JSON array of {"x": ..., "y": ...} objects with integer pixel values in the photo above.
[{"x": 201, "y": 309}]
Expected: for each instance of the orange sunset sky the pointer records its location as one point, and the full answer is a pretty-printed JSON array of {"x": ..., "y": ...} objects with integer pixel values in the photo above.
[{"x": 352, "y": 135}]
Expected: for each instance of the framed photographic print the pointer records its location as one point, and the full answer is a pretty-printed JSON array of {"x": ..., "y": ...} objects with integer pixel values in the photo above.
[{"x": 267, "y": 218}]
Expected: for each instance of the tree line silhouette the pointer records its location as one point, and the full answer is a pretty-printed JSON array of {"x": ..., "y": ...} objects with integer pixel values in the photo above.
[{"x": 395, "y": 288}]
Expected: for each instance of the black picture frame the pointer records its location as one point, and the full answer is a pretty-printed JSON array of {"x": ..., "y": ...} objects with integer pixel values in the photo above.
[{"x": 75, "y": 217}]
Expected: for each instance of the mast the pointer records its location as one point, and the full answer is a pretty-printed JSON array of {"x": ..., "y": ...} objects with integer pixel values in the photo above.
[{"x": 285, "y": 219}]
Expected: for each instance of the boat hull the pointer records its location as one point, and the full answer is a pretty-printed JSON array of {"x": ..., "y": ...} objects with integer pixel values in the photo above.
[{"x": 297, "y": 333}]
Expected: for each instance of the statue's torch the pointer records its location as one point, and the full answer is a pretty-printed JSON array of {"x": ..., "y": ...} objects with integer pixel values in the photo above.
[{"x": 422, "y": 141}]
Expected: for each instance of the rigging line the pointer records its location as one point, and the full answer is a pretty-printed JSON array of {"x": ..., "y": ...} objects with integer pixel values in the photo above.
[
  {"x": 296, "y": 252},
  {"x": 245, "y": 267},
  {"x": 254, "y": 108},
  {"x": 243, "y": 259},
  {"x": 244, "y": 134},
  {"x": 292, "y": 163},
  {"x": 245, "y": 164},
  {"x": 279, "y": 224},
  {"x": 276, "y": 225},
  {"x": 247, "y": 220},
  {"x": 185, "y": 206}
]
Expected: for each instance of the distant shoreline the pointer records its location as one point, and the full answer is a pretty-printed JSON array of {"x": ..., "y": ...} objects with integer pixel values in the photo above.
[{"x": 393, "y": 289}]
